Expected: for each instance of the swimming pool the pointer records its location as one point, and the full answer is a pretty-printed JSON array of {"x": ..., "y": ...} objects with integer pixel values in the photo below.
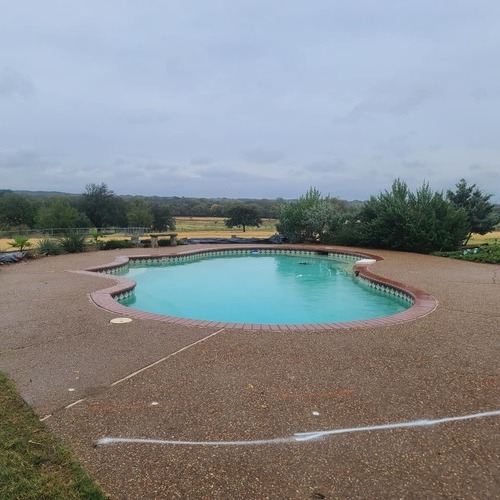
[{"x": 259, "y": 287}]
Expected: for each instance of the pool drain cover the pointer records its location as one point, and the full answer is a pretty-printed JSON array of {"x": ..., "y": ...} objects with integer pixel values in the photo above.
[{"x": 121, "y": 320}]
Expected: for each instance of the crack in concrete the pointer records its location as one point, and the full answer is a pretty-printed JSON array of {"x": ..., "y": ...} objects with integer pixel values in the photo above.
[
  {"x": 133, "y": 374},
  {"x": 41, "y": 344},
  {"x": 471, "y": 312}
]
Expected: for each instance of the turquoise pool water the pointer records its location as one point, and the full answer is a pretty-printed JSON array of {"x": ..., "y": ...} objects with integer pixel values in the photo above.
[{"x": 257, "y": 288}]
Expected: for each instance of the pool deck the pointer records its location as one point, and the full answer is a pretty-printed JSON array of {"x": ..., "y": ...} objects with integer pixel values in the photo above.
[{"x": 288, "y": 405}]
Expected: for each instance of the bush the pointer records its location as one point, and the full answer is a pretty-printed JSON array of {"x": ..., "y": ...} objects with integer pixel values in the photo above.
[
  {"x": 421, "y": 222},
  {"x": 292, "y": 222},
  {"x": 73, "y": 242},
  {"x": 487, "y": 254},
  {"x": 348, "y": 228},
  {"x": 311, "y": 218},
  {"x": 114, "y": 244},
  {"x": 49, "y": 246}
]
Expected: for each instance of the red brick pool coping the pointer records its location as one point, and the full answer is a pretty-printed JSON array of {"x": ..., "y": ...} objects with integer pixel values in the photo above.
[{"x": 423, "y": 303}]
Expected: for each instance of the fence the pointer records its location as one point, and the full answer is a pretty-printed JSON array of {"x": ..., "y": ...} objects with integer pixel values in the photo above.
[{"x": 59, "y": 231}]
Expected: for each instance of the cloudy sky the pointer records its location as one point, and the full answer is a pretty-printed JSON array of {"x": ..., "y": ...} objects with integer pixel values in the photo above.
[{"x": 249, "y": 98}]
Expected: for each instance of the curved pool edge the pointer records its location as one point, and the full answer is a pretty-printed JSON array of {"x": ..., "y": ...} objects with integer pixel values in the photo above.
[{"x": 423, "y": 302}]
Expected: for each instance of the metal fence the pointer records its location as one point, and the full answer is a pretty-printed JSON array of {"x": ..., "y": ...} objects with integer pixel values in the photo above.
[{"x": 54, "y": 232}]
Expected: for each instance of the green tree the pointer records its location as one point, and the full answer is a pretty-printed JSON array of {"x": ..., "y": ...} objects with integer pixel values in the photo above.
[
  {"x": 216, "y": 210},
  {"x": 421, "y": 222},
  {"x": 139, "y": 213},
  {"x": 60, "y": 214},
  {"x": 324, "y": 218},
  {"x": 16, "y": 210},
  {"x": 292, "y": 217},
  {"x": 162, "y": 217},
  {"x": 200, "y": 208},
  {"x": 311, "y": 218},
  {"x": 103, "y": 207},
  {"x": 347, "y": 227},
  {"x": 242, "y": 215},
  {"x": 481, "y": 217}
]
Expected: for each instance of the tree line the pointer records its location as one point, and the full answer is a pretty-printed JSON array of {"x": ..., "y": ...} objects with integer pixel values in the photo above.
[
  {"x": 422, "y": 221},
  {"x": 98, "y": 206}
]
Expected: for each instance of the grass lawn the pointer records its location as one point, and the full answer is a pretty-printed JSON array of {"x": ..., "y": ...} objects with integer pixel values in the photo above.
[
  {"x": 33, "y": 463},
  {"x": 489, "y": 254}
]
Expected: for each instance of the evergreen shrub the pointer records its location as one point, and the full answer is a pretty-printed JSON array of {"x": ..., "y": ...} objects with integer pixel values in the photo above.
[{"x": 114, "y": 244}]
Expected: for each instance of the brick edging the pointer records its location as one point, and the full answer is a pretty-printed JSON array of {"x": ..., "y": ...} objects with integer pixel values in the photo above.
[{"x": 423, "y": 303}]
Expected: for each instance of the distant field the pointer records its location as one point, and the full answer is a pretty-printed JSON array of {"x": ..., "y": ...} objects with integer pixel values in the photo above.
[
  {"x": 206, "y": 227},
  {"x": 189, "y": 227},
  {"x": 491, "y": 238}
]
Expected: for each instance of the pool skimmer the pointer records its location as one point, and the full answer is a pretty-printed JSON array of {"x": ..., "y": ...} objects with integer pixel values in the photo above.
[{"x": 119, "y": 321}]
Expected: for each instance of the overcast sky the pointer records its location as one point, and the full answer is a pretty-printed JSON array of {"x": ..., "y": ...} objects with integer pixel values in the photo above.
[{"x": 249, "y": 98}]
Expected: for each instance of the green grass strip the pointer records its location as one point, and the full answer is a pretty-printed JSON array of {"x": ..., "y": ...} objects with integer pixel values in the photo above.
[
  {"x": 33, "y": 463},
  {"x": 488, "y": 254}
]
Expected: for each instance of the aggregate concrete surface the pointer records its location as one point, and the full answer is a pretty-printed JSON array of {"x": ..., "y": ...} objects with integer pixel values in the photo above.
[{"x": 190, "y": 388}]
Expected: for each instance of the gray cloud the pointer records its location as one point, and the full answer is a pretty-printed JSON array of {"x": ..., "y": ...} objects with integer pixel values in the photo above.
[
  {"x": 14, "y": 84},
  {"x": 201, "y": 160},
  {"x": 485, "y": 94},
  {"x": 399, "y": 146},
  {"x": 259, "y": 155},
  {"x": 326, "y": 166},
  {"x": 391, "y": 98},
  {"x": 21, "y": 159},
  {"x": 414, "y": 164},
  {"x": 217, "y": 99},
  {"x": 475, "y": 167}
]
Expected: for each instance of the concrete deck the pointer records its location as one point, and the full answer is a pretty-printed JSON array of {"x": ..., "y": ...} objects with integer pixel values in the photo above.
[{"x": 178, "y": 383}]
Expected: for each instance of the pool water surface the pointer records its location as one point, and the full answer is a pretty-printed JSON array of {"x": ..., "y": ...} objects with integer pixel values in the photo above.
[{"x": 259, "y": 289}]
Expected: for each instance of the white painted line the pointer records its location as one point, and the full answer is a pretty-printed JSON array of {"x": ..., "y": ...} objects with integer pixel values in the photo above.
[
  {"x": 139, "y": 371},
  {"x": 165, "y": 358},
  {"x": 301, "y": 437},
  {"x": 74, "y": 403},
  {"x": 111, "y": 440},
  {"x": 308, "y": 436}
]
